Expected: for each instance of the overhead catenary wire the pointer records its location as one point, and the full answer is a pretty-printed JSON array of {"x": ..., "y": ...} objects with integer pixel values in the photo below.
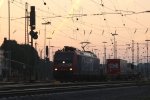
[{"x": 104, "y": 13}]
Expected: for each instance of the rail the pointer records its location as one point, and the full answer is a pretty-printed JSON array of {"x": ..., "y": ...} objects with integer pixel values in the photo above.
[{"x": 46, "y": 88}]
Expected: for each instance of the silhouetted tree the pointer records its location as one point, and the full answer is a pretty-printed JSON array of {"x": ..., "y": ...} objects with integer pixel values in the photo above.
[
  {"x": 23, "y": 57},
  {"x": 22, "y": 53}
]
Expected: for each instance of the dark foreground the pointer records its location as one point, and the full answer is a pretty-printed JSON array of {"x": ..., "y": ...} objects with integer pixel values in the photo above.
[{"x": 120, "y": 93}]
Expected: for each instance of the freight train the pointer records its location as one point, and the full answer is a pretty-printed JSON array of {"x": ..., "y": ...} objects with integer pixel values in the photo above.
[{"x": 73, "y": 64}]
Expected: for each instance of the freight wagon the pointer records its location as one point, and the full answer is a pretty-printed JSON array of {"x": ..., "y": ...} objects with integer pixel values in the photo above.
[{"x": 118, "y": 69}]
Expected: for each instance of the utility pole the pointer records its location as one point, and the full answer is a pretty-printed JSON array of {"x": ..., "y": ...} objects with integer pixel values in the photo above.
[
  {"x": 27, "y": 26},
  {"x": 115, "y": 45},
  {"x": 138, "y": 56},
  {"x": 127, "y": 53},
  {"x": 138, "y": 53},
  {"x": 26, "y": 23},
  {"x": 132, "y": 52},
  {"x": 52, "y": 52},
  {"x": 49, "y": 38},
  {"x": 104, "y": 59},
  {"x": 104, "y": 52},
  {"x": 8, "y": 19},
  {"x": 46, "y": 23}
]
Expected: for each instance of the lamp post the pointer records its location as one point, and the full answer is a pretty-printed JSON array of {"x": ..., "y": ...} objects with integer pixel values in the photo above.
[
  {"x": 49, "y": 38},
  {"x": 115, "y": 46},
  {"x": 147, "y": 58},
  {"x": 46, "y": 23}
]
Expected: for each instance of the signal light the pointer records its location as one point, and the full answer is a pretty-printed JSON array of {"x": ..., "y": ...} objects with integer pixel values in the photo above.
[{"x": 34, "y": 35}]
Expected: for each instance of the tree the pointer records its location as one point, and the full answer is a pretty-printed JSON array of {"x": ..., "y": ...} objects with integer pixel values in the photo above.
[{"x": 23, "y": 57}]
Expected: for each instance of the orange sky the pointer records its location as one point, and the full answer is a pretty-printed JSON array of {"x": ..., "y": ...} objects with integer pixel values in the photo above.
[{"x": 100, "y": 21}]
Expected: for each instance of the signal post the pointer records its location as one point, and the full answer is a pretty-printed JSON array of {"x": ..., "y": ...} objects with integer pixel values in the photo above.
[{"x": 34, "y": 35}]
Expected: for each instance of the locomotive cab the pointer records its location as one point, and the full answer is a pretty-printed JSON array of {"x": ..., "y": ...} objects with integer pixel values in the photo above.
[{"x": 63, "y": 67}]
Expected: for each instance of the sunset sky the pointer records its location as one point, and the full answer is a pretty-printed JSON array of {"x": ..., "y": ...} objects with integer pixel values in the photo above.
[{"x": 76, "y": 21}]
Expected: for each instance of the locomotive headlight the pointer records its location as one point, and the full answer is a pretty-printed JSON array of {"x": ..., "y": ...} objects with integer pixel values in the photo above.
[
  {"x": 70, "y": 69},
  {"x": 55, "y": 69},
  {"x": 63, "y": 62}
]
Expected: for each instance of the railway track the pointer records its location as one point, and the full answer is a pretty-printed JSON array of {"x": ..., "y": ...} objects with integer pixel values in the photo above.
[{"x": 46, "y": 88}]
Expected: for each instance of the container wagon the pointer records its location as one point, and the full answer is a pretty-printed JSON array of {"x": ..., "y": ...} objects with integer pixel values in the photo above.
[{"x": 118, "y": 69}]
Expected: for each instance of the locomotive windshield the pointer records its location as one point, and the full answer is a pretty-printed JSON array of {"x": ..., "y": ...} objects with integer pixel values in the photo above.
[{"x": 63, "y": 57}]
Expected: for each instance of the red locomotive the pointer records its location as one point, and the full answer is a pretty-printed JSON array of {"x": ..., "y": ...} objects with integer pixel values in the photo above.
[{"x": 73, "y": 64}]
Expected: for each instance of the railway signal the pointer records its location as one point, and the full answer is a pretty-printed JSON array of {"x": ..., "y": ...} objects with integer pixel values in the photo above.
[
  {"x": 34, "y": 35},
  {"x": 32, "y": 17}
]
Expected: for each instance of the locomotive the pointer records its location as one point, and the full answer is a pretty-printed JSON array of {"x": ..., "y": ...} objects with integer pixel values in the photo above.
[{"x": 73, "y": 65}]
